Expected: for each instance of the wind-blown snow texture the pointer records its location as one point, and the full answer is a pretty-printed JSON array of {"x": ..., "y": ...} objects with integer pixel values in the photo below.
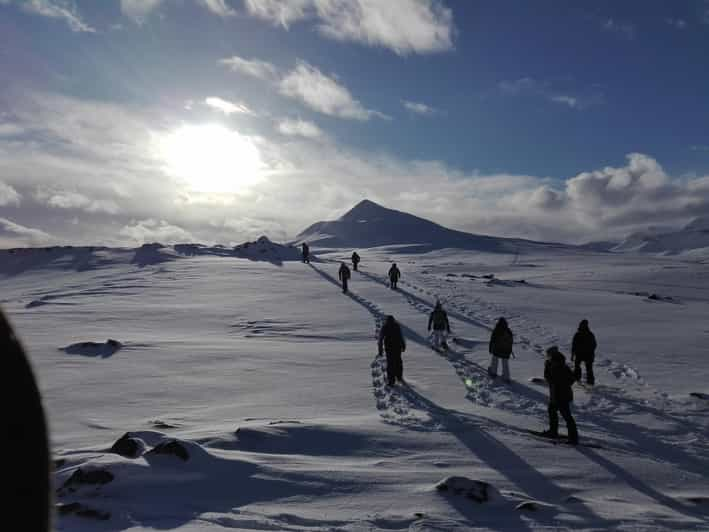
[{"x": 258, "y": 382}]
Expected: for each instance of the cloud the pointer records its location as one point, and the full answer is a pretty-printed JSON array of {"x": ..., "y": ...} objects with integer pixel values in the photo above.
[
  {"x": 75, "y": 200},
  {"x": 86, "y": 151},
  {"x": 147, "y": 231},
  {"x": 280, "y": 12},
  {"x": 16, "y": 235},
  {"x": 251, "y": 67},
  {"x": 403, "y": 26},
  {"x": 543, "y": 89},
  {"x": 139, "y": 10},
  {"x": 302, "y": 128},
  {"x": 324, "y": 94},
  {"x": 8, "y": 195},
  {"x": 226, "y": 106},
  {"x": 623, "y": 29},
  {"x": 59, "y": 9},
  {"x": 677, "y": 23},
  {"x": 218, "y": 7},
  {"x": 419, "y": 108}
]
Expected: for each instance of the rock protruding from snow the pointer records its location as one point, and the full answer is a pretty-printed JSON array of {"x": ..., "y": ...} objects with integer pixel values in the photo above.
[
  {"x": 129, "y": 446},
  {"x": 475, "y": 490},
  {"x": 94, "y": 349},
  {"x": 368, "y": 225},
  {"x": 81, "y": 510},
  {"x": 263, "y": 249},
  {"x": 170, "y": 447},
  {"x": 88, "y": 476}
]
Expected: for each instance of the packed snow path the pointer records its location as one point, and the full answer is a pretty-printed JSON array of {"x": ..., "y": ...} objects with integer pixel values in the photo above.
[{"x": 268, "y": 376}]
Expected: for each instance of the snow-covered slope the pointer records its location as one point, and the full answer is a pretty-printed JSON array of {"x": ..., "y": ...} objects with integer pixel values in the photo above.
[
  {"x": 692, "y": 237},
  {"x": 369, "y": 225},
  {"x": 254, "y": 398}
]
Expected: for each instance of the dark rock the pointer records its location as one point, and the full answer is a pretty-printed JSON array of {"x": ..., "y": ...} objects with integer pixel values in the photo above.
[
  {"x": 475, "y": 490},
  {"x": 172, "y": 447},
  {"x": 92, "y": 476},
  {"x": 572, "y": 499},
  {"x": 76, "y": 508},
  {"x": 59, "y": 462},
  {"x": 654, "y": 297},
  {"x": 700, "y": 395},
  {"x": 529, "y": 506},
  {"x": 128, "y": 446}
]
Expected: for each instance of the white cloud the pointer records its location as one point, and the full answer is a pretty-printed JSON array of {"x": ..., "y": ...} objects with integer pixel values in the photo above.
[
  {"x": 251, "y": 67},
  {"x": 139, "y": 10},
  {"x": 404, "y": 26},
  {"x": 13, "y": 234},
  {"x": 10, "y": 130},
  {"x": 147, "y": 231},
  {"x": 280, "y": 12},
  {"x": 322, "y": 93},
  {"x": 75, "y": 200},
  {"x": 419, "y": 108},
  {"x": 218, "y": 7},
  {"x": 59, "y": 9},
  {"x": 8, "y": 195},
  {"x": 677, "y": 23},
  {"x": 226, "y": 106},
  {"x": 98, "y": 150},
  {"x": 543, "y": 89},
  {"x": 624, "y": 29},
  {"x": 302, "y": 128}
]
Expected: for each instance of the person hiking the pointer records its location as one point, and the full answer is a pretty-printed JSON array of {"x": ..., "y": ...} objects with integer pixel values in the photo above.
[
  {"x": 500, "y": 348},
  {"x": 391, "y": 340},
  {"x": 394, "y": 274},
  {"x": 355, "y": 261},
  {"x": 439, "y": 319},
  {"x": 583, "y": 350},
  {"x": 344, "y": 274},
  {"x": 306, "y": 253},
  {"x": 560, "y": 378}
]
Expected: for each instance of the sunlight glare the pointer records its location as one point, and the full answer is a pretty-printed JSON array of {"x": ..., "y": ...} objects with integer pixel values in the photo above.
[{"x": 211, "y": 158}]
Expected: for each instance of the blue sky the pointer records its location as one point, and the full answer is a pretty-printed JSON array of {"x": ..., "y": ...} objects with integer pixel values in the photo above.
[{"x": 219, "y": 120}]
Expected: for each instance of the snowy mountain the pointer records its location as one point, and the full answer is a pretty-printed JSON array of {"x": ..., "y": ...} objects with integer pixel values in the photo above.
[
  {"x": 692, "y": 237},
  {"x": 368, "y": 225}
]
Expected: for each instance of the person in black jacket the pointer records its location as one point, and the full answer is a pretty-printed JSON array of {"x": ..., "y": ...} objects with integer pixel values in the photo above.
[
  {"x": 344, "y": 275},
  {"x": 355, "y": 260},
  {"x": 306, "y": 253},
  {"x": 392, "y": 341},
  {"x": 394, "y": 274},
  {"x": 560, "y": 378},
  {"x": 583, "y": 349},
  {"x": 500, "y": 348},
  {"x": 439, "y": 319}
]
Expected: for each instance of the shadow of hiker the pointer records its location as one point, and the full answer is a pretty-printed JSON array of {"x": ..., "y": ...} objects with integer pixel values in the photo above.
[
  {"x": 469, "y": 430},
  {"x": 694, "y": 512}
]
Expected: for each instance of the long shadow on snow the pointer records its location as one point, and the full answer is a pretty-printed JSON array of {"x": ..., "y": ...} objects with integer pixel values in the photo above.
[
  {"x": 410, "y": 334},
  {"x": 469, "y": 430},
  {"x": 416, "y": 299}
]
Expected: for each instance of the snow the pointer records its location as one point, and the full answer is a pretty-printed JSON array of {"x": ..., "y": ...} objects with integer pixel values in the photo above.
[{"x": 267, "y": 376}]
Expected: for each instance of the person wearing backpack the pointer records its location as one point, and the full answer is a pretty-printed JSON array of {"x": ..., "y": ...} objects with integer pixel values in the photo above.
[
  {"x": 583, "y": 349},
  {"x": 394, "y": 274},
  {"x": 355, "y": 260},
  {"x": 344, "y": 274},
  {"x": 392, "y": 341},
  {"x": 560, "y": 379},
  {"x": 500, "y": 348},
  {"x": 439, "y": 319}
]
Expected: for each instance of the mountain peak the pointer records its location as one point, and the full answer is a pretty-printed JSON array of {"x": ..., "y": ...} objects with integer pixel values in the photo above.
[{"x": 363, "y": 210}]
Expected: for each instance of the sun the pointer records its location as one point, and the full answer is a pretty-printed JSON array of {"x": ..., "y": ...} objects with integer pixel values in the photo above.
[{"x": 211, "y": 158}]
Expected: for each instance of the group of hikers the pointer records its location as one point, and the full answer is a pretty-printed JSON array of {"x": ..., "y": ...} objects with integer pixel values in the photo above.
[{"x": 558, "y": 375}]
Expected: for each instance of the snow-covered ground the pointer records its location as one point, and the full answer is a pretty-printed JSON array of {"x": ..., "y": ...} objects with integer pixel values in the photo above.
[{"x": 267, "y": 376}]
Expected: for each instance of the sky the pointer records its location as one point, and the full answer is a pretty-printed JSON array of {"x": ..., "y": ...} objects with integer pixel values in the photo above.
[{"x": 217, "y": 121}]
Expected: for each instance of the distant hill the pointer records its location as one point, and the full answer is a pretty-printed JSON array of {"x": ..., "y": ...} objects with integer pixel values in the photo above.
[
  {"x": 368, "y": 225},
  {"x": 693, "y": 237}
]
